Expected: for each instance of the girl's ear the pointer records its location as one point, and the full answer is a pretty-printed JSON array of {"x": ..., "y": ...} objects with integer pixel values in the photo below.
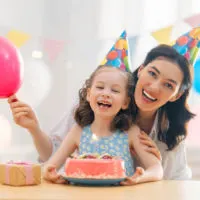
[
  {"x": 88, "y": 95},
  {"x": 126, "y": 103},
  {"x": 139, "y": 70}
]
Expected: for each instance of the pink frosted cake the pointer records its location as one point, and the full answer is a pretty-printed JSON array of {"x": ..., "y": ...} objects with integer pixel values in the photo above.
[
  {"x": 20, "y": 173},
  {"x": 95, "y": 167}
]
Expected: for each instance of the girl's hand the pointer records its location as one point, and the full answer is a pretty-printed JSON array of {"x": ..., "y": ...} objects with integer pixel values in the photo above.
[
  {"x": 51, "y": 175},
  {"x": 135, "y": 179},
  {"x": 23, "y": 114},
  {"x": 150, "y": 145}
]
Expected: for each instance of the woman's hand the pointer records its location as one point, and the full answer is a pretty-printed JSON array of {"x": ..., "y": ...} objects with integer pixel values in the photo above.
[
  {"x": 135, "y": 179},
  {"x": 150, "y": 145},
  {"x": 51, "y": 175}
]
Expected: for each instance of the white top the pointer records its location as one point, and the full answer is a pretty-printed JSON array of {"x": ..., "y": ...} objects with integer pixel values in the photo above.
[{"x": 174, "y": 162}]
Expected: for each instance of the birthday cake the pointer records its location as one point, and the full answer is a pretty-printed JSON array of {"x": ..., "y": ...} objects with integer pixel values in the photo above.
[
  {"x": 95, "y": 167},
  {"x": 20, "y": 173}
]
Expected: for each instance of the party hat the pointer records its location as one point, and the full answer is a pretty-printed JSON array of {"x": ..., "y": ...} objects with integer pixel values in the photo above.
[
  {"x": 118, "y": 56},
  {"x": 188, "y": 45}
]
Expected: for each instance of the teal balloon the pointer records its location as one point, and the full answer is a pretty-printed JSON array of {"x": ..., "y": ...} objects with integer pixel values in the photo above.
[{"x": 196, "y": 83}]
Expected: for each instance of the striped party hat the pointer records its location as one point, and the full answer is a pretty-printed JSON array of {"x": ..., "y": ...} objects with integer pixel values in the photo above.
[
  {"x": 188, "y": 45},
  {"x": 118, "y": 56}
]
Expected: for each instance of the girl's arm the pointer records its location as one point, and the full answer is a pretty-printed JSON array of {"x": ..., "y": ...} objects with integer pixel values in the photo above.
[
  {"x": 153, "y": 170},
  {"x": 151, "y": 146},
  {"x": 68, "y": 146}
]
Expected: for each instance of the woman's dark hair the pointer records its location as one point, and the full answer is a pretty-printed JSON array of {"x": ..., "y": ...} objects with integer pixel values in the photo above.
[
  {"x": 84, "y": 115},
  {"x": 173, "y": 116}
]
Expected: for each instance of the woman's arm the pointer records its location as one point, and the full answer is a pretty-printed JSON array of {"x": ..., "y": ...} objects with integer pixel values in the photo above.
[
  {"x": 58, "y": 133},
  {"x": 152, "y": 165},
  {"x": 46, "y": 145},
  {"x": 24, "y": 116},
  {"x": 42, "y": 144}
]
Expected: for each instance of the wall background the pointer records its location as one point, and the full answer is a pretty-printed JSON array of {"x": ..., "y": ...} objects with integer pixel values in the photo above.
[{"x": 73, "y": 36}]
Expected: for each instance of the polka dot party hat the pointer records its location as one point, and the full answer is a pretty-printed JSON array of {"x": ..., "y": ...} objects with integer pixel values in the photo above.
[
  {"x": 118, "y": 56},
  {"x": 188, "y": 45}
]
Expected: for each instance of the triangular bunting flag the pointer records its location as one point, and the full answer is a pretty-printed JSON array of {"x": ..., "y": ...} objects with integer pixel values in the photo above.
[
  {"x": 53, "y": 48},
  {"x": 163, "y": 36},
  {"x": 193, "y": 21},
  {"x": 18, "y": 38}
]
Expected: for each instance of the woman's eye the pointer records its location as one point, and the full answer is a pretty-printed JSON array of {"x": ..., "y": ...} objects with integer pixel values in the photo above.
[
  {"x": 152, "y": 73},
  {"x": 100, "y": 87},
  {"x": 168, "y": 85}
]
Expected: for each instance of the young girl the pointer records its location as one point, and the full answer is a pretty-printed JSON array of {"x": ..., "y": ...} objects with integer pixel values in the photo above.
[{"x": 104, "y": 112}]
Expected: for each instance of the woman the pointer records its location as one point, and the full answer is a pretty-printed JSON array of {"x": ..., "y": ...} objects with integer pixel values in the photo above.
[{"x": 162, "y": 85}]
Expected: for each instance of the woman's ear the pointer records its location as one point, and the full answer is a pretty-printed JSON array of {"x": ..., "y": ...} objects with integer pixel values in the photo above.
[
  {"x": 141, "y": 67},
  {"x": 176, "y": 97}
]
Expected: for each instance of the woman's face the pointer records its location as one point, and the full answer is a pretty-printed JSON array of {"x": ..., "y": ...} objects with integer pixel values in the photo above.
[{"x": 158, "y": 83}]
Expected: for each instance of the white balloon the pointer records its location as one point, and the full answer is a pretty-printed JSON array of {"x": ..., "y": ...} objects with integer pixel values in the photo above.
[{"x": 37, "y": 82}]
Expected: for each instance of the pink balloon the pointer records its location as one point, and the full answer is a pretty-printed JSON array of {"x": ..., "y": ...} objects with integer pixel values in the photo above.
[{"x": 11, "y": 68}]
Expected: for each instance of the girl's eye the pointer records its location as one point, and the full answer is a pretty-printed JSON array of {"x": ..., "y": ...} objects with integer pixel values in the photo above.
[
  {"x": 168, "y": 85},
  {"x": 152, "y": 73},
  {"x": 114, "y": 90}
]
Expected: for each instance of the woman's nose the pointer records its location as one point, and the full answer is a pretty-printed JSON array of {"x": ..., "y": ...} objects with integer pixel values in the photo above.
[{"x": 155, "y": 86}]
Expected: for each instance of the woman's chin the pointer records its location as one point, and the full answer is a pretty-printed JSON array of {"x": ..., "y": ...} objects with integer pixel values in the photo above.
[{"x": 146, "y": 107}]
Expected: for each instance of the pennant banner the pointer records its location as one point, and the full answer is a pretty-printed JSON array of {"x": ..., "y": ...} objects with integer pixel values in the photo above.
[
  {"x": 193, "y": 21},
  {"x": 53, "y": 48},
  {"x": 18, "y": 38},
  {"x": 163, "y": 35}
]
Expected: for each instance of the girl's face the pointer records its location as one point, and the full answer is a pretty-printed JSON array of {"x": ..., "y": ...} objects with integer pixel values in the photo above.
[
  {"x": 108, "y": 93},
  {"x": 158, "y": 83}
]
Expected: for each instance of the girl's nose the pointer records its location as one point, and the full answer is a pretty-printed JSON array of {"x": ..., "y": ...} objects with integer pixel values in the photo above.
[{"x": 106, "y": 94}]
